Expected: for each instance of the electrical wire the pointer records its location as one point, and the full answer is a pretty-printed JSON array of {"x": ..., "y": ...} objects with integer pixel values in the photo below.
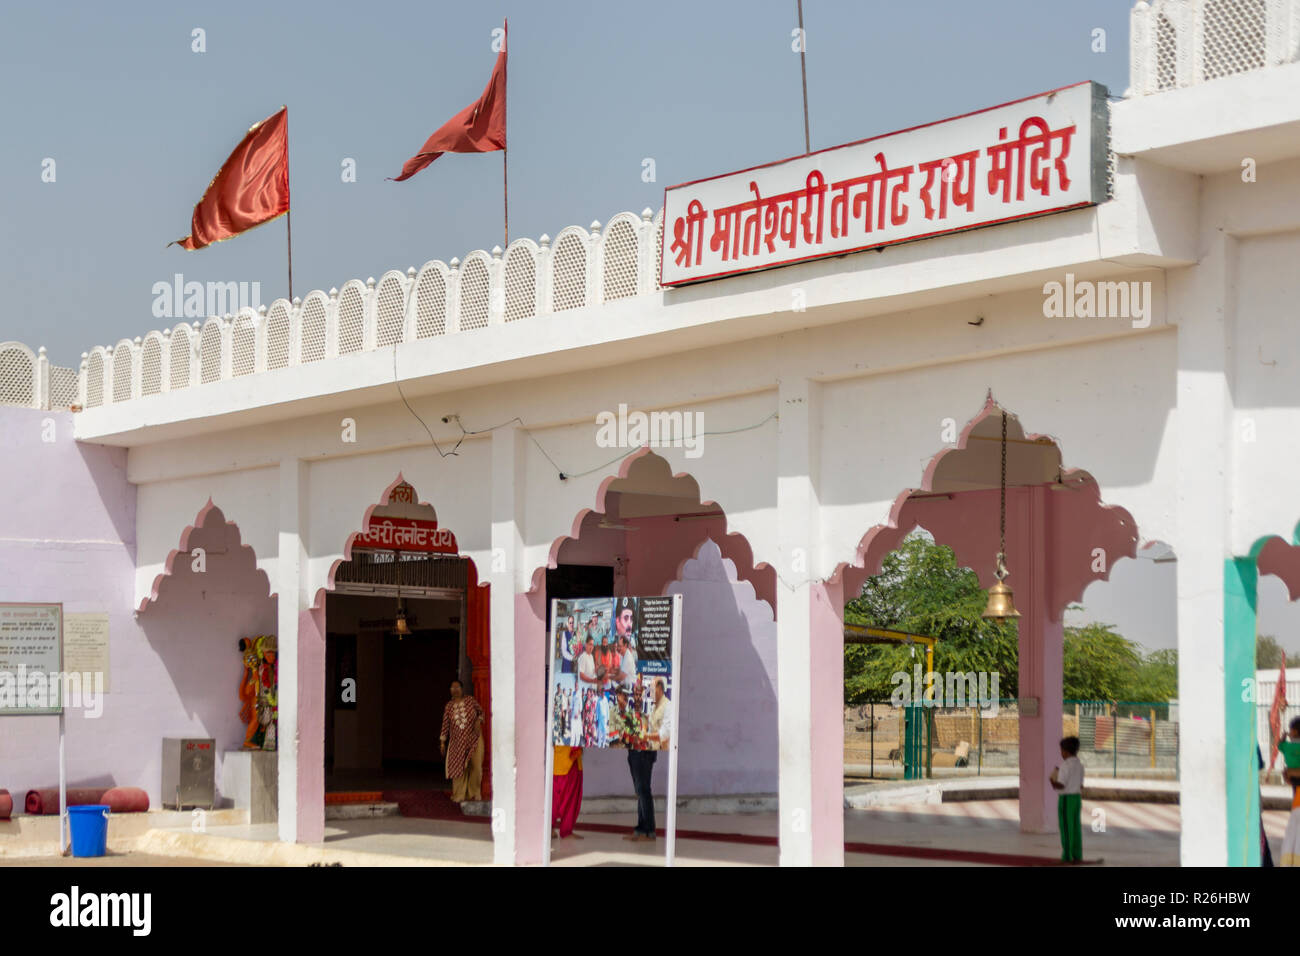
[{"x": 398, "y": 383}]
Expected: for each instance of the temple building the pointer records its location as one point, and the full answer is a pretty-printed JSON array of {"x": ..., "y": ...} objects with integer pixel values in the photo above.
[{"x": 672, "y": 403}]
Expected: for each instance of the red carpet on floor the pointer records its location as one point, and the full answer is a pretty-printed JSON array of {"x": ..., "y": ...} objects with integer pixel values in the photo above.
[
  {"x": 429, "y": 805},
  {"x": 437, "y": 805},
  {"x": 877, "y": 849}
]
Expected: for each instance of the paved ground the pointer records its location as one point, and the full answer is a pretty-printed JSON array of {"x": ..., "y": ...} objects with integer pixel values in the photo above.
[
  {"x": 978, "y": 832},
  {"x": 113, "y": 859}
]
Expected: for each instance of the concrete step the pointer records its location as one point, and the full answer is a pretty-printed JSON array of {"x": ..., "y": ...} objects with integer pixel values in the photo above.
[{"x": 359, "y": 811}]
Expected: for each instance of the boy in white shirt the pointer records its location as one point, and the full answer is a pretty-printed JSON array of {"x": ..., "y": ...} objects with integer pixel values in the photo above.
[{"x": 1068, "y": 779}]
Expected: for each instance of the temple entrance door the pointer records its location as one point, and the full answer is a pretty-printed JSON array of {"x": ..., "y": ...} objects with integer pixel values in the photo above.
[{"x": 385, "y": 692}]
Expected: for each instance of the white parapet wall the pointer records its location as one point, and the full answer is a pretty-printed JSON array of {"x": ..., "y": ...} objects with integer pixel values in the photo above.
[
  {"x": 583, "y": 267},
  {"x": 1177, "y": 43}
]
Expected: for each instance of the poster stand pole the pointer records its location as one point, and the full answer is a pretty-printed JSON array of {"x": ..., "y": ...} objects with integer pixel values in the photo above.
[
  {"x": 548, "y": 788},
  {"x": 676, "y": 705},
  {"x": 64, "y": 835}
]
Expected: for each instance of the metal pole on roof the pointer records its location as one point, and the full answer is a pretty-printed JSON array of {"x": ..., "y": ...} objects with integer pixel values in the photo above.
[{"x": 803, "y": 70}]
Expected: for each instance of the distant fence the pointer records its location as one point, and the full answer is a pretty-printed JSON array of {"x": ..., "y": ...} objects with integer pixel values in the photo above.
[{"x": 1123, "y": 738}]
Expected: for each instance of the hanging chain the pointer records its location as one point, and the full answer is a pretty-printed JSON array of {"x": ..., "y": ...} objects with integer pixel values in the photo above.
[{"x": 1002, "y": 529}]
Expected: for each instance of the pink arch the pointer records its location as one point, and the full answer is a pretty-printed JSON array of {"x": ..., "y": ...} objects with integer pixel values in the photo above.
[
  {"x": 206, "y": 513},
  {"x": 735, "y": 545},
  {"x": 1111, "y": 527},
  {"x": 1281, "y": 559}
]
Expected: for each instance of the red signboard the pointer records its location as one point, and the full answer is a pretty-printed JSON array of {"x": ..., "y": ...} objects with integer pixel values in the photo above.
[
  {"x": 406, "y": 534},
  {"x": 1039, "y": 155}
]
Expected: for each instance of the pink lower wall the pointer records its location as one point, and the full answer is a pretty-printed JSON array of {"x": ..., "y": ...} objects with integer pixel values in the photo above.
[
  {"x": 529, "y": 773},
  {"x": 68, "y": 520},
  {"x": 311, "y": 726},
  {"x": 826, "y": 634}
]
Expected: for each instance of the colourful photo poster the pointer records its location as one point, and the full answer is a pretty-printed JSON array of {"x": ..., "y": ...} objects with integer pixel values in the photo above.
[
  {"x": 611, "y": 666},
  {"x": 612, "y": 674}
]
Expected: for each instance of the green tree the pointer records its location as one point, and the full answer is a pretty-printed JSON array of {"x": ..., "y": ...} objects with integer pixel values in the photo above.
[
  {"x": 1099, "y": 663},
  {"x": 921, "y": 590},
  {"x": 1268, "y": 652},
  {"x": 1157, "y": 678},
  {"x": 1102, "y": 664}
]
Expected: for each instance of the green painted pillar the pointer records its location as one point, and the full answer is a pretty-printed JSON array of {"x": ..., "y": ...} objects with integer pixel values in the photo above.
[{"x": 1241, "y": 769}]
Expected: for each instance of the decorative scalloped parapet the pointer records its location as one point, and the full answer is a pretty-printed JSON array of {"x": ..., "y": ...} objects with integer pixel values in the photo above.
[
  {"x": 1177, "y": 43},
  {"x": 28, "y": 380},
  {"x": 580, "y": 268}
]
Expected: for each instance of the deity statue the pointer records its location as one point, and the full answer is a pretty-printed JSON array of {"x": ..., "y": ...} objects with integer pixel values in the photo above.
[
  {"x": 268, "y": 705},
  {"x": 258, "y": 692}
]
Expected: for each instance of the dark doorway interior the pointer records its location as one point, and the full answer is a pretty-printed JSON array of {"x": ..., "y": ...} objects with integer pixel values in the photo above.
[
  {"x": 577, "y": 581},
  {"x": 385, "y": 694}
]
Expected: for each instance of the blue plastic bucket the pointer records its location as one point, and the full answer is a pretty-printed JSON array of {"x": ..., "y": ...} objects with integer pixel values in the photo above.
[{"x": 89, "y": 829}]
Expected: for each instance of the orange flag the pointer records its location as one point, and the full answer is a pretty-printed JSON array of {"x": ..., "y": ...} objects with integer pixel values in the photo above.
[
  {"x": 1275, "y": 712},
  {"x": 478, "y": 128},
  {"x": 252, "y": 186}
]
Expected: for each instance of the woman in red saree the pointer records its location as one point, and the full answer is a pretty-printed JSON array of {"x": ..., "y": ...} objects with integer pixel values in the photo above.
[
  {"x": 566, "y": 791},
  {"x": 462, "y": 744}
]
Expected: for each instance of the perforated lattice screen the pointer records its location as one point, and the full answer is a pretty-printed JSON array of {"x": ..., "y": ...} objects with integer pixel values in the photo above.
[
  {"x": 569, "y": 274},
  {"x": 377, "y": 571},
  {"x": 474, "y": 295},
  {"x": 122, "y": 372},
  {"x": 620, "y": 261},
  {"x": 277, "y": 337},
  {"x": 352, "y": 313},
  {"x": 151, "y": 367},
  {"x": 210, "y": 352},
  {"x": 243, "y": 347},
  {"x": 95, "y": 380},
  {"x": 17, "y": 377},
  {"x": 63, "y": 387},
  {"x": 179, "y": 374},
  {"x": 392, "y": 312},
  {"x": 1234, "y": 36},
  {"x": 659, "y": 251},
  {"x": 313, "y": 329},
  {"x": 430, "y": 304},
  {"x": 1166, "y": 54},
  {"x": 521, "y": 283}
]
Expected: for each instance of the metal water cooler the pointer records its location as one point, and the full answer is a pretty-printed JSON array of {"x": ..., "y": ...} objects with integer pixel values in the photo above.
[{"x": 189, "y": 772}]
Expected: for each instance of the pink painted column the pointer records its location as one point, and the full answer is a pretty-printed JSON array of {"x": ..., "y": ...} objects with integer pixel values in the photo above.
[
  {"x": 826, "y": 641},
  {"x": 528, "y": 775},
  {"x": 311, "y": 726},
  {"x": 1041, "y": 661}
]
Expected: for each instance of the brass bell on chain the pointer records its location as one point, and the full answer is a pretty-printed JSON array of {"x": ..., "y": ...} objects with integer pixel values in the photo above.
[{"x": 1001, "y": 604}]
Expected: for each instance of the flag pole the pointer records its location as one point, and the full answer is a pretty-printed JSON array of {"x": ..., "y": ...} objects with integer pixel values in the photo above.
[
  {"x": 803, "y": 70},
  {"x": 505, "y": 152},
  {"x": 288, "y": 213},
  {"x": 288, "y": 234}
]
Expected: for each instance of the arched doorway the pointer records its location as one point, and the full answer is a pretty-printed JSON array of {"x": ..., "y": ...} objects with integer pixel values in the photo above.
[
  {"x": 651, "y": 532},
  {"x": 385, "y": 684},
  {"x": 1060, "y": 537}
]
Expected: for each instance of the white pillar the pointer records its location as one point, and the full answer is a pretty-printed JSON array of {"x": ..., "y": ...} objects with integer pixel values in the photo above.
[
  {"x": 289, "y": 567},
  {"x": 797, "y": 545},
  {"x": 1203, "y": 425},
  {"x": 507, "y": 554}
]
